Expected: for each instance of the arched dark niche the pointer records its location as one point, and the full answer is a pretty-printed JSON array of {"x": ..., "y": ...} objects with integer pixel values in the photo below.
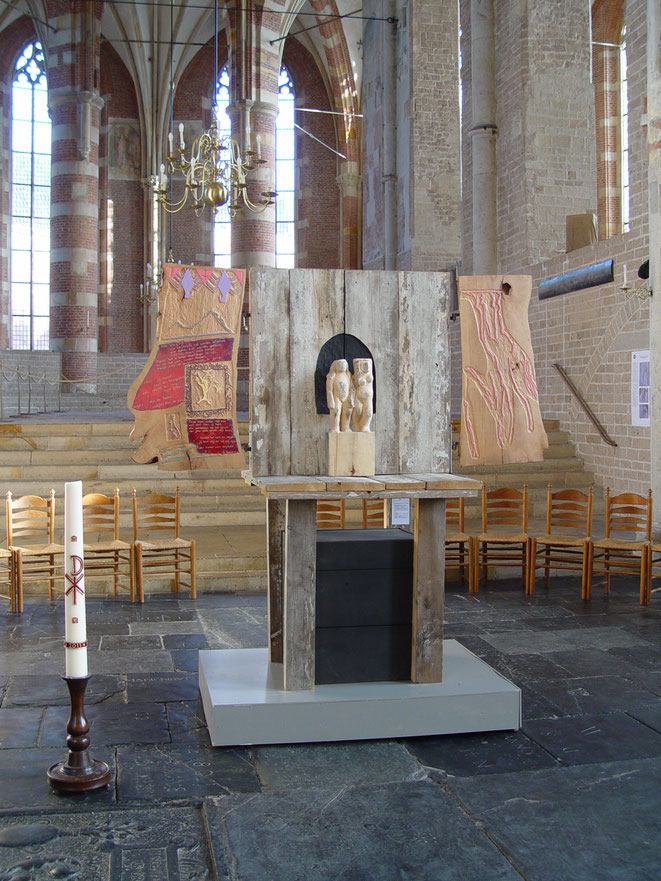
[{"x": 343, "y": 345}]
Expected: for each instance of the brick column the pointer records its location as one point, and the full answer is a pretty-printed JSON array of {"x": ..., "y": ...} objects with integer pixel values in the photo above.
[
  {"x": 253, "y": 235},
  {"x": 75, "y": 108}
]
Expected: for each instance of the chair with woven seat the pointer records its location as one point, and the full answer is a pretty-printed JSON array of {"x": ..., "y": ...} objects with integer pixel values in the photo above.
[
  {"x": 566, "y": 543},
  {"x": 616, "y": 555},
  {"x": 653, "y": 570},
  {"x": 30, "y": 523},
  {"x": 157, "y": 513},
  {"x": 105, "y": 553},
  {"x": 331, "y": 514},
  {"x": 459, "y": 546},
  {"x": 375, "y": 513},
  {"x": 504, "y": 540},
  {"x": 6, "y": 578}
]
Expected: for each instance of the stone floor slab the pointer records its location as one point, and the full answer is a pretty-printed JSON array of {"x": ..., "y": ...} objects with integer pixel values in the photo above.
[
  {"x": 467, "y": 755},
  {"x": 399, "y": 832},
  {"x": 580, "y": 740},
  {"x": 19, "y": 727},
  {"x": 187, "y": 722},
  {"x": 573, "y": 824},
  {"x": 168, "y": 844},
  {"x": 328, "y": 765},
  {"x": 161, "y": 687},
  {"x": 51, "y": 690},
  {"x": 110, "y": 724},
  {"x": 591, "y": 694},
  {"x": 130, "y": 660},
  {"x": 24, "y": 784},
  {"x": 181, "y": 771}
]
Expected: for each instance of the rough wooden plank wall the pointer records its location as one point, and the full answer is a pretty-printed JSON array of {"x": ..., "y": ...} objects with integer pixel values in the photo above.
[
  {"x": 316, "y": 314},
  {"x": 372, "y": 316},
  {"x": 270, "y": 382},
  {"x": 402, "y": 317}
]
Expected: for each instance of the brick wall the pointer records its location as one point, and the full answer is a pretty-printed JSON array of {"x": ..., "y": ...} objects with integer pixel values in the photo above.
[
  {"x": 591, "y": 333},
  {"x": 28, "y": 383}
]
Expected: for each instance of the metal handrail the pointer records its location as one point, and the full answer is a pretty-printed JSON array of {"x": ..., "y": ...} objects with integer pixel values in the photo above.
[{"x": 586, "y": 407}]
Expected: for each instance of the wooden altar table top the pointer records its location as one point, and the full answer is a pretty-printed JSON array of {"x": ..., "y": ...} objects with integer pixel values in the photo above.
[{"x": 381, "y": 486}]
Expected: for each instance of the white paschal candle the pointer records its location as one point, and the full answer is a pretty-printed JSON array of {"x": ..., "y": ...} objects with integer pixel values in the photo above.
[{"x": 75, "y": 626}]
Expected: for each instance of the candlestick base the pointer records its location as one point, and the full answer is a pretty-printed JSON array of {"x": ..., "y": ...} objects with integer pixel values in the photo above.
[{"x": 79, "y": 773}]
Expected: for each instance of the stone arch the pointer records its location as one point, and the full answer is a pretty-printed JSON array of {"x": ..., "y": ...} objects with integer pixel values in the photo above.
[{"x": 342, "y": 345}]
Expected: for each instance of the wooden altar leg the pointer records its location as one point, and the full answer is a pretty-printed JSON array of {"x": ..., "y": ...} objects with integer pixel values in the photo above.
[
  {"x": 300, "y": 571},
  {"x": 428, "y": 592},
  {"x": 276, "y": 521}
]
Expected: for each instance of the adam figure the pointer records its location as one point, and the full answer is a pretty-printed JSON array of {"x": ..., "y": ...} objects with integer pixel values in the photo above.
[{"x": 340, "y": 395}]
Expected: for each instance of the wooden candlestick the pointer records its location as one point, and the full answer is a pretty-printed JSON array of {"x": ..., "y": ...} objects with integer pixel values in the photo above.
[{"x": 79, "y": 773}]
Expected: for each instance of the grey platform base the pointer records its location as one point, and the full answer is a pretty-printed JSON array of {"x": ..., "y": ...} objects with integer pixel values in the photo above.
[{"x": 244, "y": 705}]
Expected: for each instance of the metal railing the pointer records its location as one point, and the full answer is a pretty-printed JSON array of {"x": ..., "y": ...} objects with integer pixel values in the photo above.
[{"x": 586, "y": 407}]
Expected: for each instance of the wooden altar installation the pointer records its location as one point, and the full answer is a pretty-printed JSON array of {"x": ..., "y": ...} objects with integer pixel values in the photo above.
[
  {"x": 271, "y": 695},
  {"x": 184, "y": 399},
  {"x": 500, "y": 418}
]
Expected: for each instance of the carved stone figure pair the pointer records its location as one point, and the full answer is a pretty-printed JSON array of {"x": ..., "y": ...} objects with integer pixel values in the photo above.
[{"x": 350, "y": 396}]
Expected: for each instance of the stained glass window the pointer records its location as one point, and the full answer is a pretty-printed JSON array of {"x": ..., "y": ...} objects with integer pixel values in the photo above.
[
  {"x": 285, "y": 242},
  {"x": 30, "y": 201}
]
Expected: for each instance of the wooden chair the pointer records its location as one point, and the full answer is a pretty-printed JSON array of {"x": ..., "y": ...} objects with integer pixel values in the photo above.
[
  {"x": 30, "y": 523},
  {"x": 164, "y": 556},
  {"x": 625, "y": 513},
  {"x": 566, "y": 542},
  {"x": 105, "y": 553},
  {"x": 459, "y": 546},
  {"x": 331, "y": 514},
  {"x": 6, "y": 578},
  {"x": 375, "y": 513},
  {"x": 507, "y": 508},
  {"x": 653, "y": 570}
]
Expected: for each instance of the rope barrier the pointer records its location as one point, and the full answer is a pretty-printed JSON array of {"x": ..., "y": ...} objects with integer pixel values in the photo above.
[{"x": 53, "y": 380}]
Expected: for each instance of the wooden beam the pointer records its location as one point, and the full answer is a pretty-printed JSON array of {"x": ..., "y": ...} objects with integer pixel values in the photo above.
[
  {"x": 428, "y": 592},
  {"x": 299, "y": 594}
]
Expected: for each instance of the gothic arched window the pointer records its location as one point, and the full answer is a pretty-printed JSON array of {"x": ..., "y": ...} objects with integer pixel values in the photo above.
[
  {"x": 285, "y": 158},
  {"x": 285, "y": 240},
  {"x": 222, "y": 230},
  {"x": 30, "y": 202}
]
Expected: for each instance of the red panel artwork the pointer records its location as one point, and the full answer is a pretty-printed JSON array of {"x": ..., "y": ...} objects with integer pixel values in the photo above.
[
  {"x": 164, "y": 384},
  {"x": 184, "y": 400},
  {"x": 213, "y": 436}
]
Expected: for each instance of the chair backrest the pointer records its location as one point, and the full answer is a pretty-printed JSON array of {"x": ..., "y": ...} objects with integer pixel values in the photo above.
[
  {"x": 331, "y": 514},
  {"x": 454, "y": 514},
  {"x": 30, "y": 517},
  {"x": 375, "y": 513},
  {"x": 505, "y": 506},
  {"x": 101, "y": 514},
  {"x": 568, "y": 510},
  {"x": 629, "y": 512},
  {"x": 155, "y": 512}
]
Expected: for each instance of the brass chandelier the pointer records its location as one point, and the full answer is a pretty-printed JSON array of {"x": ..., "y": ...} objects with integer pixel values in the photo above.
[{"x": 216, "y": 172}]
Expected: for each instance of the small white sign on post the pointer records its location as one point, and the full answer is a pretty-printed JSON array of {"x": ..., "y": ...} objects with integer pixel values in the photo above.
[
  {"x": 400, "y": 512},
  {"x": 640, "y": 388}
]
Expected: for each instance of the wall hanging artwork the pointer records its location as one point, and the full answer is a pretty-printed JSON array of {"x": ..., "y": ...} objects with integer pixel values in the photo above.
[
  {"x": 184, "y": 400},
  {"x": 500, "y": 417}
]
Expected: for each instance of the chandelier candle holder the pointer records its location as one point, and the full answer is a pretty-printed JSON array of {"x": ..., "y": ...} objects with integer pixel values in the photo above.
[
  {"x": 215, "y": 172},
  {"x": 80, "y": 772}
]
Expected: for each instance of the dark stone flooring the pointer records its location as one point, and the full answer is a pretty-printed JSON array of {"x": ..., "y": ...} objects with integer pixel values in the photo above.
[{"x": 575, "y": 794}]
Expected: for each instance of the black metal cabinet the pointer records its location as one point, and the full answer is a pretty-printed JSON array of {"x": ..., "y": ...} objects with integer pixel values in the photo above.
[{"x": 364, "y": 605}]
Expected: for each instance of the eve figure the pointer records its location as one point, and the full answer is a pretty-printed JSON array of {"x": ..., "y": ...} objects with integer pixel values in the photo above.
[
  {"x": 363, "y": 381},
  {"x": 340, "y": 395}
]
